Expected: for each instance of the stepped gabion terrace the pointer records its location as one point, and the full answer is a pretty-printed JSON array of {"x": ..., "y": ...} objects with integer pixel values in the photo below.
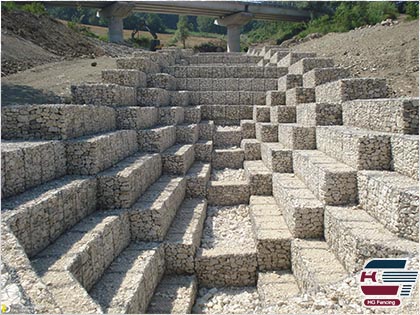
[{"x": 256, "y": 182}]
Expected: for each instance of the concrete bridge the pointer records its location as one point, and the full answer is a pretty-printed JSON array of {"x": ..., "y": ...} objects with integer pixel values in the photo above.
[{"x": 231, "y": 14}]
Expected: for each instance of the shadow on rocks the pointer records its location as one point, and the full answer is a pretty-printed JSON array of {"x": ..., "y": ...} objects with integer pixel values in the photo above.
[{"x": 12, "y": 94}]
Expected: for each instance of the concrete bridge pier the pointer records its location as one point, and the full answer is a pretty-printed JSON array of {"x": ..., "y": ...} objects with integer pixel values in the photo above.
[
  {"x": 116, "y": 13},
  {"x": 234, "y": 23},
  {"x": 234, "y": 36}
]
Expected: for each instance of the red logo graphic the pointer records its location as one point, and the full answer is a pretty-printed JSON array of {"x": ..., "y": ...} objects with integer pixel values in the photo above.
[{"x": 385, "y": 282}]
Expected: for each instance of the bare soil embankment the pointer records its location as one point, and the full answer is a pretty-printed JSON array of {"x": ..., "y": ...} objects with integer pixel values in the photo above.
[
  {"x": 390, "y": 52},
  {"x": 55, "y": 57},
  {"x": 29, "y": 40}
]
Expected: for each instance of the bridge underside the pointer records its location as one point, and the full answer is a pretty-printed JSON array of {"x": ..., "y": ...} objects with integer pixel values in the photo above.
[{"x": 232, "y": 14}]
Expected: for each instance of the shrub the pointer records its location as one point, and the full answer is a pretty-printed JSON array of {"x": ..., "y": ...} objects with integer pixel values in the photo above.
[
  {"x": 81, "y": 29},
  {"x": 263, "y": 31},
  {"x": 72, "y": 25},
  {"x": 205, "y": 25},
  {"x": 142, "y": 41},
  {"x": 412, "y": 9},
  {"x": 34, "y": 8},
  {"x": 182, "y": 30},
  {"x": 103, "y": 38},
  {"x": 172, "y": 42},
  {"x": 379, "y": 11},
  {"x": 279, "y": 30},
  {"x": 8, "y": 6},
  {"x": 209, "y": 47},
  {"x": 289, "y": 33},
  {"x": 350, "y": 15},
  {"x": 155, "y": 23},
  {"x": 337, "y": 17}
]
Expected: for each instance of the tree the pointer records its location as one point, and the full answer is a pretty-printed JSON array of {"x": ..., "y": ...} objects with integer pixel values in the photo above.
[
  {"x": 132, "y": 21},
  {"x": 412, "y": 9},
  {"x": 135, "y": 20},
  {"x": 378, "y": 11},
  {"x": 205, "y": 24},
  {"x": 182, "y": 30},
  {"x": 155, "y": 23}
]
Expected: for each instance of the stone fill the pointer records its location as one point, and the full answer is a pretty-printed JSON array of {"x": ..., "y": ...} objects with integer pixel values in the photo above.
[
  {"x": 257, "y": 182},
  {"x": 227, "y": 256}
]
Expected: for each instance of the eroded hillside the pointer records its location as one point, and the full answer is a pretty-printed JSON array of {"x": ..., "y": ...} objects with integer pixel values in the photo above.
[{"x": 390, "y": 52}]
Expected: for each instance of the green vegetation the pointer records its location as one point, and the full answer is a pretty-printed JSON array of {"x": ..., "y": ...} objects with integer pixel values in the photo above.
[
  {"x": 103, "y": 38},
  {"x": 77, "y": 27},
  {"x": 198, "y": 34},
  {"x": 76, "y": 23},
  {"x": 205, "y": 25},
  {"x": 154, "y": 21},
  {"x": 333, "y": 16},
  {"x": 412, "y": 9},
  {"x": 159, "y": 23},
  {"x": 378, "y": 11},
  {"x": 36, "y": 8},
  {"x": 339, "y": 17},
  {"x": 211, "y": 47},
  {"x": 8, "y": 6},
  {"x": 77, "y": 14},
  {"x": 262, "y": 31},
  {"x": 182, "y": 30},
  {"x": 142, "y": 41}
]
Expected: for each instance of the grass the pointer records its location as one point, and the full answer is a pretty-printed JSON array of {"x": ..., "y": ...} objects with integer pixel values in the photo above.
[
  {"x": 198, "y": 34},
  {"x": 164, "y": 38}
]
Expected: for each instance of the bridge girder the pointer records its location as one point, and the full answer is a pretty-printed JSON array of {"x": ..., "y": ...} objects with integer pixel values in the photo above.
[{"x": 222, "y": 10}]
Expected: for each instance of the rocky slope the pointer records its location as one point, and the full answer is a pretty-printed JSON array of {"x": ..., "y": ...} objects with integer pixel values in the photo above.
[
  {"x": 387, "y": 51},
  {"x": 391, "y": 52},
  {"x": 29, "y": 40}
]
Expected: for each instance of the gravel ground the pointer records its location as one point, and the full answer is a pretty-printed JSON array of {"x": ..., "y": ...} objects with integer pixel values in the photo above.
[
  {"x": 226, "y": 147},
  {"x": 229, "y": 300},
  {"x": 11, "y": 293},
  {"x": 390, "y": 52},
  {"x": 50, "y": 83},
  {"x": 228, "y": 227},
  {"x": 228, "y": 174},
  {"x": 228, "y": 128},
  {"x": 343, "y": 297},
  {"x": 115, "y": 50},
  {"x": 340, "y": 298},
  {"x": 29, "y": 40}
]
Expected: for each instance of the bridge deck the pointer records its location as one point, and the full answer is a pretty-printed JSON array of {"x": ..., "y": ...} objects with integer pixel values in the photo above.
[{"x": 214, "y": 8}]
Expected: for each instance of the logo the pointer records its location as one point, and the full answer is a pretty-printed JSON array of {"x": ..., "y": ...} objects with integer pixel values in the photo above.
[
  {"x": 5, "y": 308},
  {"x": 385, "y": 282}
]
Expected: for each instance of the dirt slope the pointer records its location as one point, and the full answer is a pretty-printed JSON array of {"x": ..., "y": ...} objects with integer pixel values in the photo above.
[
  {"x": 48, "y": 33},
  {"x": 50, "y": 83},
  {"x": 29, "y": 40},
  {"x": 390, "y": 52},
  {"x": 380, "y": 51},
  {"x": 15, "y": 52}
]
